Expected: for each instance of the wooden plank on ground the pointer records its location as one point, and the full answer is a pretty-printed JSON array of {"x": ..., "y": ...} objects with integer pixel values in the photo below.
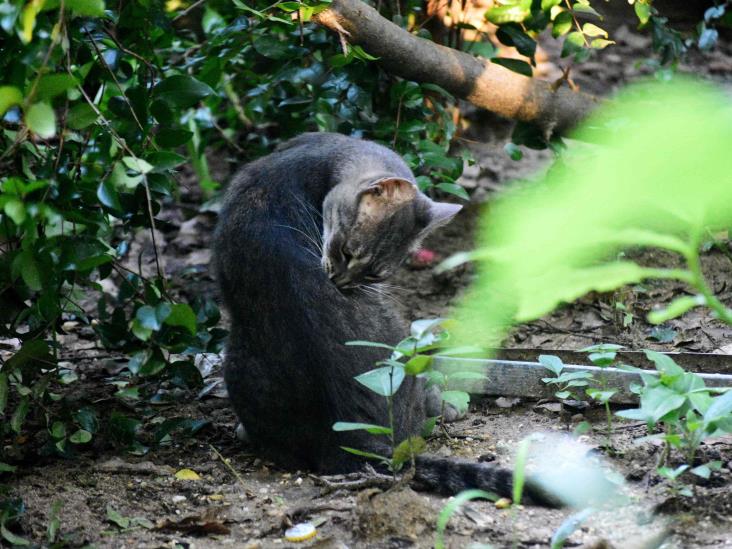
[
  {"x": 707, "y": 363},
  {"x": 524, "y": 379}
]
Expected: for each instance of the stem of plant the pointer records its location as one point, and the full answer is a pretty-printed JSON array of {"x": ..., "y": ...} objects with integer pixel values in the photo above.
[{"x": 700, "y": 284}]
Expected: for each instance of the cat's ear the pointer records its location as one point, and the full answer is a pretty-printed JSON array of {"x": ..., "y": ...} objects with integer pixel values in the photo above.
[
  {"x": 384, "y": 196},
  {"x": 439, "y": 214},
  {"x": 393, "y": 189}
]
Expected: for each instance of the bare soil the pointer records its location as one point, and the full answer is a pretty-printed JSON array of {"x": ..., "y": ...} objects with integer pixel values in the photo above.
[{"x": 241, "y": 501}]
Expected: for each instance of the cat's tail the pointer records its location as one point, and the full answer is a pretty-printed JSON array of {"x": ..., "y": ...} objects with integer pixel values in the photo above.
[{"x": 450, "y": 476}]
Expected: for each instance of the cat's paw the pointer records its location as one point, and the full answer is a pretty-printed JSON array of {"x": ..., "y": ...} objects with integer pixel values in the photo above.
[
  {"x": 435, "y": 408},
  {"x": 241, "y": 434}
]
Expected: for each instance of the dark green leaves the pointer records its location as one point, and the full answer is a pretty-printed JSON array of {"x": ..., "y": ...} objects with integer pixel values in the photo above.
[
  {"x": 515, "y": 65},
  {"x": 81, "y": 116},
  {"x": 182, "y": 91}
]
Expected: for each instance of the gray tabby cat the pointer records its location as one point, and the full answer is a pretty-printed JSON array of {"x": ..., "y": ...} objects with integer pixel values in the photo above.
[{"x": 304, "y": 238}]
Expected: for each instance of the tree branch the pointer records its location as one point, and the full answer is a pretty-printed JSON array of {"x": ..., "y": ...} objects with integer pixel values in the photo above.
[{"x": 481, "y": 82}]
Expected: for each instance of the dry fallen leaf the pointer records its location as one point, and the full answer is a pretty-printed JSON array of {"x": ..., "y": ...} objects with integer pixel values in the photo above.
[{"x": 187, "y": 474}]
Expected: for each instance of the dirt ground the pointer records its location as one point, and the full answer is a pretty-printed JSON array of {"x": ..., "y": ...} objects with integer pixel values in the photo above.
[{"x": 110, "y": 499}]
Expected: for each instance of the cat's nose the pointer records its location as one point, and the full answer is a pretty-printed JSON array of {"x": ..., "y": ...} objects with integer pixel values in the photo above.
[{"x": 340, "y": 279}]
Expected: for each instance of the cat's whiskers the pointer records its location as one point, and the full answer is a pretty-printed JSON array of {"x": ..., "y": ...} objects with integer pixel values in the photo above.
[
  {"x": 377, "y": 290},
  {"x": 309, "y": 209},
  {"x": 390, "y": 286},
  {"x": 307, "y": 236}
]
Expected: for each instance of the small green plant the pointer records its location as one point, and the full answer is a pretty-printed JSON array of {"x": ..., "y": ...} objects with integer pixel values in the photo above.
[
  {"x": 408, "y": 357},
  {"x": 452, "y": 506},
  {"x": 567, "y": 382},
  {"x": 603, "y": 356},
  {"x": 679, "y": 404}
]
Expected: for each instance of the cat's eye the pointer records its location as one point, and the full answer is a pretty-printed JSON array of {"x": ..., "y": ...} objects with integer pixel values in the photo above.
[{"x": 346, "y": 255}]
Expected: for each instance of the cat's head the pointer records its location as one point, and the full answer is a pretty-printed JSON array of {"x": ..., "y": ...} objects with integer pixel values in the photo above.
[{"x": 367, "y": 236}]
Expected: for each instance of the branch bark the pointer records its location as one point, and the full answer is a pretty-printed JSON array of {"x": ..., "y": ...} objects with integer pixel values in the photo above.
[{"x": 481, "y": 82}]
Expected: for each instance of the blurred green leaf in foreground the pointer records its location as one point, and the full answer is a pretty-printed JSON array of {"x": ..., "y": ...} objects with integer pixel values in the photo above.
[{"x": 651, "y": 169}]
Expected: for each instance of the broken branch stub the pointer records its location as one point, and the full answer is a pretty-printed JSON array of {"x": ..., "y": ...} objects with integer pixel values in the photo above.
[{"x": 479, "y": 81}]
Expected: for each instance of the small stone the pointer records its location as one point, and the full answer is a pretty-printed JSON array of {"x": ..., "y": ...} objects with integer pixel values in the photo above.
[
  {"x": 549, "y": 408},
  {"x": 178, "y": 498},
  {"x": 578, "y": 417},
  {"x": 504, "y": 402},
  {"x": 503, "y": 503}
]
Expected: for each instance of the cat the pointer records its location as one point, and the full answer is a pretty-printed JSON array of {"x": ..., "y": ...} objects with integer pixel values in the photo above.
[{"x": 304, "y": 238}]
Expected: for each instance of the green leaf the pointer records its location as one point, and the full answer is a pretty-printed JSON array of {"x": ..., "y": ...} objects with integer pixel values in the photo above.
[
  {"x": 9, "y": 97},
  {"x": 7, "y": 468},
  {"x": 81, "y": 116},
  {"x": 407, "y": 448},
  {"x": 600, "y": 396},
  {"x": 721, "y": 408},
  {"x": 18, "y": 417},
  {"x": 29, "y": 271},
  {"x": 115, "y": 517},
  {"x": 86, "y": 8},
  {"x": 516, "y": 13},
  {"x": 58, "y": 429},
  {"x": 369, "y": 455},
  {"x": 182, "y": 315},
  {"x": 80, "y": 437},
  {"x": 562, "y": 24},
  {"x": 165, "y": 160},
  {"x": 455, "y": 189},
  {"x": 11, "y": 538},
  {"x": 171, "y": 138},
  {"x": 553, "y": 363},
  {"x": 675, "y": 309},
  {"x": 642, "y": 12},
  {"x": 513, "y": 35},
  {"x": 15, "y": 210},
  {"x": 368, "y": 427},
  {"x": 584, "y": 7},
  {"x": 459, "y": 399},
  {"x": 429, "y": 426},
  {"x": 108, "y": 196},
  {"x": 370, "y": 344},
  {"x": 137, "y": 164},
  {"x": 148, "y": 318},
  {"x": 383, "y": 381},
  {"x": 573, "y": 43},
  {"x": 600, "y": 43},
  {"x": 417, "y": 364},
  {"x": 602, "y": 359},
  {"x": 515, "y": 65},
  {"x": 451, "y": 508},
  {"x": 182, "y": 91},
  {"x": 51, "y": 85},
  {"x": 593, "y": 30},
  {"x": 664, "y": 363},
  {"x": 41, "y": 120}
]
